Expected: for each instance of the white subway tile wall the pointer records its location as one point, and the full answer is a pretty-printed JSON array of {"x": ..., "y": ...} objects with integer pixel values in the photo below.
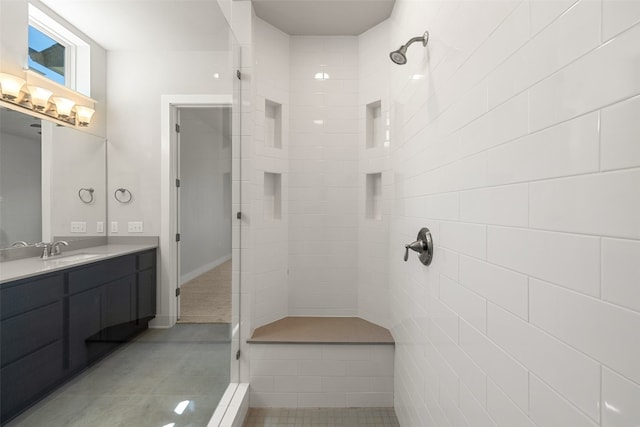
[
  {"x": 521, "y": 149},
  {"x": 514, "y": 137},
  {"x": 317, "y": 375},
  {"x": 268, "y": 230},
  {"x": 323, "y": 209}
]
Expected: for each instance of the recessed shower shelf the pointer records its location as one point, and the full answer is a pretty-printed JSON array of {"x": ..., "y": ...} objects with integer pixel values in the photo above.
[
  {"x": 272, "y": 124},
  {"x": 373, "y": 197},
  {"x": 374, "y": 136},
  {"x": 272, "y": 196}
]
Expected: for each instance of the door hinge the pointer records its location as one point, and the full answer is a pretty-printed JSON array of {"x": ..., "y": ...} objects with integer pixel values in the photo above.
[
  {"x": 178, "y": 183},
  {"x": 238, "y": 74},
  {"x": 238, "y": 215},
  {"x": 177, "y": 128},
  {"x": 177, "y": 292},
  {"x": 238, "y": 355},
  {"x": 177, "y": 237}
]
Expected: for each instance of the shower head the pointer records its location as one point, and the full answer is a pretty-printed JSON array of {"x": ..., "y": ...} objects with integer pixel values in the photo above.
[{"x": 400, "y": 56}]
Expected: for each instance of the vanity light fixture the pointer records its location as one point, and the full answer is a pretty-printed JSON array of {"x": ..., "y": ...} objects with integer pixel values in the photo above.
[
  {"x": 11, "y": 87},
  {"x": 39, "y": 98},
  {"x": 63, "y": 106},
  {"x": 83, "y": 115},
  {"x": 16, "y": 91},
  {"x": 322, "y": 76}
]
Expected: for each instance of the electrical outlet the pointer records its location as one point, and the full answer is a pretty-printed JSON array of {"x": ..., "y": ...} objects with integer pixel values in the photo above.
[
  {"x": 100, "y": 227},
  {"x": 135, "y": 227},
  {"x": 114, "y": 226},
  {"x": 78, "y": 227}
]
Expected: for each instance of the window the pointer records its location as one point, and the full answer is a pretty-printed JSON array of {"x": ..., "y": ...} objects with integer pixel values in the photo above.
[
  {"x": 57, "y": 53},
  {"x": 47, "y": 56}
]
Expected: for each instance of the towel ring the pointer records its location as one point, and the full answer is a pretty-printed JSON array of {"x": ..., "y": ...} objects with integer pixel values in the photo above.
[
  {"x": 86, "y": 195},
  {"x": 123, "y": 195}
]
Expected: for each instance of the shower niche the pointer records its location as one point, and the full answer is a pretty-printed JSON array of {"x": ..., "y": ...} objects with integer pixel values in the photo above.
[
  {"x": 373, "y": 198},
  {"x": 375, "y": 135},
  {"x": 272, "y": 124},
  {"x": 272, "y": 196}
]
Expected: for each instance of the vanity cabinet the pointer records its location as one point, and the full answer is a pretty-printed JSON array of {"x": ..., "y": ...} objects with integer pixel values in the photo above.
[
  {"x": 54, "y": 326},
  {"x": 32, "y": 337}
]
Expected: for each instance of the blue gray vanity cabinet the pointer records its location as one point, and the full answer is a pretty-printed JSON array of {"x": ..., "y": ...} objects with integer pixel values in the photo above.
[
  {"x": 32, "y": 338},
  {"x": 54, "y": 326}
]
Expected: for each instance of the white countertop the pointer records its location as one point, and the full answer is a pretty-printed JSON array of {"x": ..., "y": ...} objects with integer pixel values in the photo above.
[{"x": 28, "y": 267}]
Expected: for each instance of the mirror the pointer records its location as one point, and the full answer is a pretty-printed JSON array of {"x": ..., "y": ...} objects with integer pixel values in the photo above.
[{"x": 50, "y": 177}]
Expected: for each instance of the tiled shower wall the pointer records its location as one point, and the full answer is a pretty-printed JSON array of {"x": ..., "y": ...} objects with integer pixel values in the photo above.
[
  {"x": 323, "y": 176},
  {"x": 516, "y": 141},
  {"x": 270, "y": 231}
]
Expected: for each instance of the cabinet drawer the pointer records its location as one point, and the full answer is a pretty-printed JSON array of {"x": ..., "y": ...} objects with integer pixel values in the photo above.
[
  {"x": 146, "y": 260},
  {"x": 100, "y": 273},
  {"x": 27, "y": 295},
  {"x": 28, "y": 378},
  {"x": 28, "y": 332}
]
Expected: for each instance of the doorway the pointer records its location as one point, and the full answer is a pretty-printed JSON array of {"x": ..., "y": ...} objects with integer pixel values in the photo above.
[{"x": 203, "y": 217}]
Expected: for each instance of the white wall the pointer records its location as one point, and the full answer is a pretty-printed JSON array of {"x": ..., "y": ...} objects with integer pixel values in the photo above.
[
  {"x": 205, "y": 203},
  {"x": 135, "y": 83},
  {"x": 520, "y": 151}
]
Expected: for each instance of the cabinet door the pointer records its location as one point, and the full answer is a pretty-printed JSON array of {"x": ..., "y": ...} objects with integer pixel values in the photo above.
[
  {"x": 116, "y": 303},
  {"x": 118, "y": 310},
  {"x": 146, "y": 294},
  {"x": 84, "y": 327}
]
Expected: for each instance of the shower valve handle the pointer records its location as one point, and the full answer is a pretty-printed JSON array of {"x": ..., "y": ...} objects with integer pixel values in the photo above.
[
  {"x": 423, "y": 246},
  {"x": 418, "y": 246}
]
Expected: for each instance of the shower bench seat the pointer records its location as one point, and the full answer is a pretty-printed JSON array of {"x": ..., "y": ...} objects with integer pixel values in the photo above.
[{"x": 321, "y": 362}]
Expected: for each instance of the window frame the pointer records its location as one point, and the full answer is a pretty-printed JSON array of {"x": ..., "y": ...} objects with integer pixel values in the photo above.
[{"x": 77, "y": 53}]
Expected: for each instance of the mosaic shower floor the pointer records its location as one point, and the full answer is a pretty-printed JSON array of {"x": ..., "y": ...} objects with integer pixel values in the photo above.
[{"x": 321, "y": 417}]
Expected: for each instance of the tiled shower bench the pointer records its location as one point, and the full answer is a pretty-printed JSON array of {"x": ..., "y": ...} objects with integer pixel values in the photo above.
[{"x": 299, "y": 362}]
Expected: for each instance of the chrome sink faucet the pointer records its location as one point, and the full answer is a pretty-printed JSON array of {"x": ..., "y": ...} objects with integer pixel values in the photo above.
[
  {"x": 51, "y": 249},
  {"x": 56, "y": 247}
]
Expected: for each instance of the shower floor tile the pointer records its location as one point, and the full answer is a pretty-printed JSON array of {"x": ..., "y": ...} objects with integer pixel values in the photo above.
[{"x": 321, "y": 417}]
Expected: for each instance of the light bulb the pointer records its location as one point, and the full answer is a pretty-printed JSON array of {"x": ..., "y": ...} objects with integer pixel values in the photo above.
[
  {"x": 83, "y": 115},
  {"x": 11, "y": 86},
  {"x": 39, "y": 97},
  {"x": 63, "y": 106}
]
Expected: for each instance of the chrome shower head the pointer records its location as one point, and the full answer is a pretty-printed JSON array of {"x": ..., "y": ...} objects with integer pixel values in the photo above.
[{"x": 400, "y": 56}]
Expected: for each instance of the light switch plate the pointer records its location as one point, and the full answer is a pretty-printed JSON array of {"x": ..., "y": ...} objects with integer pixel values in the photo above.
[
  {"x": 78, "y": 227},
  {"x": 100, "y": 227},
  {"x": 114, "y": 226},
  {"x": 135, "y": 227}
]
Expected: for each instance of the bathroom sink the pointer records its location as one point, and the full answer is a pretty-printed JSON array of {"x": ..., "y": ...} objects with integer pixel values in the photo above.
[{"x": 72, "y": 258}]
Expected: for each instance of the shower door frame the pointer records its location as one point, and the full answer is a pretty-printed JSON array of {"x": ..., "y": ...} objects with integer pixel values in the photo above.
[{"x": 168, "y": 263}]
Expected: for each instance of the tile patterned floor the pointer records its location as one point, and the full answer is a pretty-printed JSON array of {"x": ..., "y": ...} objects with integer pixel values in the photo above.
[
  {"x": 142, "y": 383},
  {"x": 321, "y": 417},
  {"x": 207, "y": 298}
]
